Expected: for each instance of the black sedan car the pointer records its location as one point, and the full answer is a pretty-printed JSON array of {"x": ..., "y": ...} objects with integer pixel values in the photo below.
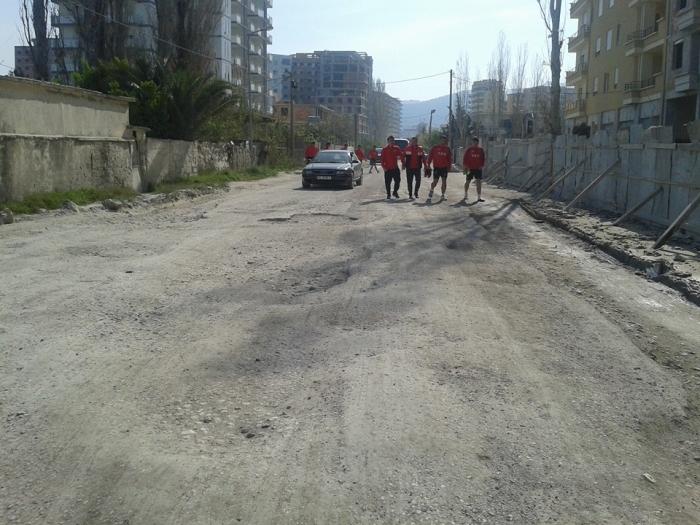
[{"x": 333, "y": 167}]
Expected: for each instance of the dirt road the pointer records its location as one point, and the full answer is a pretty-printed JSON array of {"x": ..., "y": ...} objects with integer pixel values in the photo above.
[{"x": 273, "y": 355}]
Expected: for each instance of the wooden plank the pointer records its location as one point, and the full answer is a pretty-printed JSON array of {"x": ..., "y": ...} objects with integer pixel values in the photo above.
[
  {"x": 499, "y": 174},
  {"x": 665, "y": 236},
  {"x": 533, "y": 176},
  {"x": 560, "y": 179},
  {"x": 638, "y": 207},
  {"x": 593, "y": 184}
]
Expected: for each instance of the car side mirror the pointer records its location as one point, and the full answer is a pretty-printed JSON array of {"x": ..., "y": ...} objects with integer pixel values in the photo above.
[{"x": 355, "y": 161}]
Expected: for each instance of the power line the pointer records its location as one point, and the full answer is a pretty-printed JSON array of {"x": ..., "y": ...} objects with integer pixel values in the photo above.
[{"x": 414, "y": 79}]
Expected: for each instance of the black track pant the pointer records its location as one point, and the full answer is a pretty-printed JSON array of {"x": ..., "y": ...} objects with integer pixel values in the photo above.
[
  {"x": 412, "y": 174},
  {"x": 394, "y": 175}
]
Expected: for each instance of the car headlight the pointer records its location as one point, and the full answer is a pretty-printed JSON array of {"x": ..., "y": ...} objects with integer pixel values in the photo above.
[{"x": 345, "y": 172}]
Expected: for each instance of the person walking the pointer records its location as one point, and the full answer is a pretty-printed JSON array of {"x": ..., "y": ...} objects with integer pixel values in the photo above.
[
  {"x": 473, "y": 163},
  {"x": 360, "y": 154},
  {"x": 310, "y": 152},
  {"x": 391, "y": 155},
  {"x": 441, "y": 158},
  {"x": 413, "y": 160},
  {"x": 327, "y": 146},
  {"x": 373, "y": 159}
]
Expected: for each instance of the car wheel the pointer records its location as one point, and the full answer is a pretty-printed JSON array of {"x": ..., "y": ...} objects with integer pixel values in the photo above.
[
  {"x": 359, "y": 181},
  {"x": 305, "y": 184}
]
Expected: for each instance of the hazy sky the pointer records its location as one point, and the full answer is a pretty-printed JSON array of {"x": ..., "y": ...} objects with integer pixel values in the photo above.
[{"x": 407, "y": 39}]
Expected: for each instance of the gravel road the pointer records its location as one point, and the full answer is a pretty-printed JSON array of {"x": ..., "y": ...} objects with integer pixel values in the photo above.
[{"x": 278, "y": 355}]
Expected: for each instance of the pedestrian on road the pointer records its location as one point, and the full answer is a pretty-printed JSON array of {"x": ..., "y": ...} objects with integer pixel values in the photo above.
[
  {"x": 473, "y": 163},
  {"x": 345, "y": 146},
  {"x": 373, "y": 159},
  {"x": 327, "y": 146},
  {"x": 310, "y": 152},
  {"x": 391, "y": 155},
  {"x": 441, "y": 158},
  {"x": 413, "y": 160},
  {"x": 360, "y": 154}
]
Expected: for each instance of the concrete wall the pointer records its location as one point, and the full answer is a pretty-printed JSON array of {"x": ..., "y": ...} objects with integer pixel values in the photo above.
[
  {"x": 31, "y": 107},
  {"x": 168, "y": 160},
  {"x": 644, "y": 167},
  {"x": 46, "y": 164}
]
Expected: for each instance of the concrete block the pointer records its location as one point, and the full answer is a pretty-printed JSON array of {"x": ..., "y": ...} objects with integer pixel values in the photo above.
[{"x": 658, "y": 134}]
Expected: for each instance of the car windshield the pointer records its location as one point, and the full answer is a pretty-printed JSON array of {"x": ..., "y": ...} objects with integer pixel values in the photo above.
[
  {"x": 332, "y": 157},
  {"x": 401, "y": 143}
]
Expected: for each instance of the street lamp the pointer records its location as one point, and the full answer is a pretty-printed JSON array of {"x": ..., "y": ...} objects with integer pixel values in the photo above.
[{"x": 430, "y": 126}]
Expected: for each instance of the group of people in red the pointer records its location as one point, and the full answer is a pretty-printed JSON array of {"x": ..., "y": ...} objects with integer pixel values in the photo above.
[{"x": 413, "y": 160}]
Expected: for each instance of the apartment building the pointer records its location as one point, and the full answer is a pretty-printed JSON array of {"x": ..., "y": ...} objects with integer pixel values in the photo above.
[
  {"x": 280, "y": 68},
  {"x": 139, "y": 32},
  {"x": 629, "y": 54},
  {"x": 487, "y": 105},
  {"x": 339, "y": 80},
  {"x": 238, "y": 41},
  {"x": 384, "y": 116}
]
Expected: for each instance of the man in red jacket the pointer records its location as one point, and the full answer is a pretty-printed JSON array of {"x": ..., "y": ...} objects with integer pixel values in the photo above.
[
  {"x": 413, "y": 160},
  {"x": 473, "y": 163},
  {"x": 441, "y": 158},
  {"x": 360, "y": 153},
  {"x": 310, "y": 152},
  {"x": 373, "y": 159},
  {"x": 391, "y": 155}
]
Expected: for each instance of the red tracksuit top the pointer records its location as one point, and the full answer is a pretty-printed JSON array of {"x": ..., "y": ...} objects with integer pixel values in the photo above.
[
  {"x": 440, "y": 156},
  {"x": 413, "y": 157},
  {"x": 391, "y": 154},
  {"x": 360, "y": 154},
  {"x": 373, "y": 154},
  {"x": 474, "y": 158},
  {"x": 311, "y": 152}
]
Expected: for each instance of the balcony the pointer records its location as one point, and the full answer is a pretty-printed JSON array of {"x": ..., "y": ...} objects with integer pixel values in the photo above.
[
  {"x": 572, "y": 77},
  {"x": 688, "y": 18},
  {"x": 635, "y": 89},
  {"x": 575, "y": 108},
  {"x": 576, "y": 7},
  {"x": 60, "y": 20},
  {"x": 644, "y": 39},
  {"x": 581, "y": 36},
  {"x": 685, "y": 79}
]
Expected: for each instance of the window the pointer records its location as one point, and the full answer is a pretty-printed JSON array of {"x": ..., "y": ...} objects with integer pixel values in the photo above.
[
  {"x": 606, "y": 82},
  {"x": 682, "y": 4},
  {"x": 612, "y": 3},
  {"x": 609, "y": 40},
  {"x": 678, "y": 55},
  {"x": 595, "y": 85},
  {"x": 600, "y": 7},
  {"x": 597, "y": 46},
  {"x": 618, "y": 36},
  {"x": 616, "y": 77}
]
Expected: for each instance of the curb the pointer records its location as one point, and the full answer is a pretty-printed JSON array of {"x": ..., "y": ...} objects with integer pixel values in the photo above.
[{"x": 689, "y": 288}]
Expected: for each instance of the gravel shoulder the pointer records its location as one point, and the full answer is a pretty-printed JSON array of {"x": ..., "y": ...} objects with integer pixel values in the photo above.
[{"x": 273, "y": 355}]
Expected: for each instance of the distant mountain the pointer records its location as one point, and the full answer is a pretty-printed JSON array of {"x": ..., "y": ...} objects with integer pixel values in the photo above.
[{"x": 413, "y": 112}]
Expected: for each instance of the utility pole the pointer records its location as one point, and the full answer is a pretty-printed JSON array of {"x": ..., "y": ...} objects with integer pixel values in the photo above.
[
  {"x": 449, "y": 119},
  {"x": 430, "y": 126},
  {"x": 357, "y": 128},
  {"x": 292, "y": 86}
]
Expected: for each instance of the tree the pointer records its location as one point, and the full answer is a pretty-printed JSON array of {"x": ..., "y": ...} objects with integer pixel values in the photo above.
[
  {"x": 499, "y": 72},
  {"x": 519, "y": 81},
  {"x": 102, "y": 28},
  {"x": 184, "y": 30},
  {"x": 37, "y": 33},
  {"x": 552, "y": 20},
  {"x": 461, "y": 119}
]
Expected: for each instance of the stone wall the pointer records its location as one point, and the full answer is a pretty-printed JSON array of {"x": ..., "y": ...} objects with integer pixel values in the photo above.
[
  {"x": 31, "y": 107},
  {"x": 644, "y": 167},
  {"x": 32, "y": 164}
]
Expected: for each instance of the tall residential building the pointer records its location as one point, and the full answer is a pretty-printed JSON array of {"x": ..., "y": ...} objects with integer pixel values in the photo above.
[
  {"x": 384, "y": 116},
  {"x": 238, "y": 41},
  {"x": 636, "y": 63},
  {"x": 339, "y": 80},
  {"x": 487, "y": 105},
  {"x": 280, "y": 69},
  {"x": 140, "y": 30}
]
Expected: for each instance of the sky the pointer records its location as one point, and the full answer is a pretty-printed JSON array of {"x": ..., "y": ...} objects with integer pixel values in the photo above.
[{"x": 407, "y": 39}]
